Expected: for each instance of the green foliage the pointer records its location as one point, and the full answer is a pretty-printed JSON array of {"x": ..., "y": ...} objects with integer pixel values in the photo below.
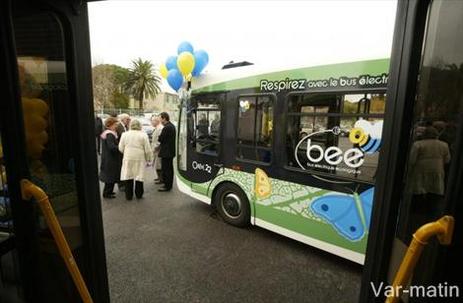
[
  {"x": 121, "y": 77},
  {"x": 350, "y": 108},
  {"x": 120, "y": 100},
  {"x": 109, "y": 79},
  {"x": 143, "y": 81}
]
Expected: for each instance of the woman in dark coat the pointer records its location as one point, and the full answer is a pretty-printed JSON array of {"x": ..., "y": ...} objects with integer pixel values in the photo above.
[{"x": 110, "y": 168}]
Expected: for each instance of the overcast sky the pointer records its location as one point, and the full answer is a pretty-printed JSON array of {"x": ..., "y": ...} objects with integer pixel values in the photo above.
[{"x": 271, "y": 33}]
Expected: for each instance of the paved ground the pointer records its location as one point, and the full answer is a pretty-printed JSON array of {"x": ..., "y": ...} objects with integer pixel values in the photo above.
[{"x": 169, "y": 247}]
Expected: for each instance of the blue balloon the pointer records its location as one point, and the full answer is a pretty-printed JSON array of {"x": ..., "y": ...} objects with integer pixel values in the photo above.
[
  {"x": 175, "y": 79},
  {"x": 185, "y": 46},
  {"x": 171, "y": 62},
  {"x": 201, "y": 60}
]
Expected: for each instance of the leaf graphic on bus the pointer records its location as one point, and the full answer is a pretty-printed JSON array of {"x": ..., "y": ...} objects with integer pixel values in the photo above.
[
  {"x": 263, "y": 188},
  {"x": 348, "y": 214},
  {"x": 366, "y": 198}
]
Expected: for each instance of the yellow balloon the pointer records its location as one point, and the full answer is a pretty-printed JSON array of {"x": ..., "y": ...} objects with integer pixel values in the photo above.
[
  {"x": 186, "y": 63},
  {"x": 163, "y": 70}
]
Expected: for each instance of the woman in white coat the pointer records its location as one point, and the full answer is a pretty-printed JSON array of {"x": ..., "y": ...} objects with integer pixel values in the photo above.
[{"x": 134, "y": 145}]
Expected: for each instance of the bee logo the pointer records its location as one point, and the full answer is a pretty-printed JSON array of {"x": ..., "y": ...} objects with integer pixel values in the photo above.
[{"x": 366, "y": 135}]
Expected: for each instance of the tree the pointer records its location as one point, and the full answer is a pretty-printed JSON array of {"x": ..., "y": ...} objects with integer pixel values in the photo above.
[
  {"x": 144, "y": 81},
  {"x": 121, "y": 77},
  {"x": 109, "y": 86},
  {"x": 103, "y": 85},
  {"x": 120, "y": 100}
]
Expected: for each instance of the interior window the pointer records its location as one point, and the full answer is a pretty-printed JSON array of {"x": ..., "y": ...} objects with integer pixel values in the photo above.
[{"x": 50, "y": 128}]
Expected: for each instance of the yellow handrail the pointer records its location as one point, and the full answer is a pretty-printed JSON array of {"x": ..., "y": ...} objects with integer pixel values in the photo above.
[
  {"x": 442, "y": 228},
  {"x": 30, "y": 190}
]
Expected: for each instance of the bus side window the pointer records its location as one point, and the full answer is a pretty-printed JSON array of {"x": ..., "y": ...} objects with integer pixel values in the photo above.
[
  {"x": 255, "y": 128},
  {"x": 317, "y": 122},
  {"x": 207, "y": 126}
]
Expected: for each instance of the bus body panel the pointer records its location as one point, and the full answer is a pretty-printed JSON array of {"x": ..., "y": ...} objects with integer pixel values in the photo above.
[
  {"x": 286, "y": 212},
  {"x": 325, "y": 208}
]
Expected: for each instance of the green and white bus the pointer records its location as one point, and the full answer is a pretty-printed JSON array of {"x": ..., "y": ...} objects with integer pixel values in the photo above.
[{"x": 292, "y": 151}]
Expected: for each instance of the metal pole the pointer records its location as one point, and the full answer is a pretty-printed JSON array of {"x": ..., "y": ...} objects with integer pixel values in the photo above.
[{"x": 30, "y": 190}]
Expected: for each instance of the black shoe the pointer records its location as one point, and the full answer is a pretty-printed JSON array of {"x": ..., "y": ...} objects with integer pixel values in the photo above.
[
  {"x": 129, "y": 199},
  {"x": 164, "y": 189},
  {"x": 109, "y": 196}
]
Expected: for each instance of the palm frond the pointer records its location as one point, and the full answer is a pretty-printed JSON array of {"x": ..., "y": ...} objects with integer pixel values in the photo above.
[{"x": 144, "y": 80}]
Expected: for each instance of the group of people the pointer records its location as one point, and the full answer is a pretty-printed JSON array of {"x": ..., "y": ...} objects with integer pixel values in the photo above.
[{"x": 126, "y": 152}]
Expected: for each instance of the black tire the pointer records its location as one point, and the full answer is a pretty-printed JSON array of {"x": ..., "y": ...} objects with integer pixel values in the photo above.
[{"x": 232, "y": 205}]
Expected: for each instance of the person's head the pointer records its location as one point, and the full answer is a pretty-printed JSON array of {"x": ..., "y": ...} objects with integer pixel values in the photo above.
[
  {"x": 430, "y": 133},
  {"x": 111, "y": 123},
  {"x": 439, "y": 125},
  {"x": 155, "y": 120},
  {"x": 164, "y": 117},
  {"x": 135, "y": 125},
  {"x": 125, "y": 119}
]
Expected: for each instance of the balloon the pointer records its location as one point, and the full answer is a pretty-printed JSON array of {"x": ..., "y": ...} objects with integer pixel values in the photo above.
[
  {"x": 185, "y": 46},
  {"x": 175, "y": 79},
  {"x": 163, "y": 70},
  {"x": 201, "y": 60},
  {"x": 171, "y": 62},
  {"x": 186, "y": 63}
]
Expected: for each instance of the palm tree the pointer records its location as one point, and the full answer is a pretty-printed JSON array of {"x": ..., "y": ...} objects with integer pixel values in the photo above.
[{"x": 144, "y": 81}]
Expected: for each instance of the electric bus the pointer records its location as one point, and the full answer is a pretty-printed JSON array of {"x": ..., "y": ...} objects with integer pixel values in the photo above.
[{"x": 293, "y": 151}]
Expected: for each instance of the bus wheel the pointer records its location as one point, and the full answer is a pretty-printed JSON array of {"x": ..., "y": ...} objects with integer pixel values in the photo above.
[{"x": 232, "y": 205}]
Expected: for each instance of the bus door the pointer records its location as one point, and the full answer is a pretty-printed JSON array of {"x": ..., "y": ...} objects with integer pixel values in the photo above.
[
  {"x": 204, "y": 133},
  {"x": 421, "y": 170},
  {"x": 47, "y": 136}
]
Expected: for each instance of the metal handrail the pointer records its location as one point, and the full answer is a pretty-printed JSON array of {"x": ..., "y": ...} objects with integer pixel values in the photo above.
[
  {"x": 30, "y": 190},
  {"x": 443, "y": 229}
]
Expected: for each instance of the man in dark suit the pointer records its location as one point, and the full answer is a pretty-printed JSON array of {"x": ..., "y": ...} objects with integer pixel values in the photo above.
[
  {"x": 167, "y": 151},
  {"x": 122, "y": 126},
  {"x": 98, "y": 130}
]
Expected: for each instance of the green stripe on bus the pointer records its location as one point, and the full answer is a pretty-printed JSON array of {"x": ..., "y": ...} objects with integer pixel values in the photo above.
[
  {"x": 311, "y": 228},
  {"x": 372, "y": 67}
]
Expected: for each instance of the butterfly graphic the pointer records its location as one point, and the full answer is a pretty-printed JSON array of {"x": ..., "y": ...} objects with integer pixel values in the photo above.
[
  {"x": 349, "y": 214},
  {"x": 263, "y": 187}
]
